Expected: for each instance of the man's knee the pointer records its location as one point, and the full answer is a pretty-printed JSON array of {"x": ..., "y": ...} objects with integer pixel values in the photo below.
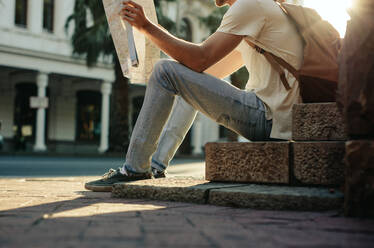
[
  {"x": 163, "y": 66},
  {"x": 163, "y": 72}
]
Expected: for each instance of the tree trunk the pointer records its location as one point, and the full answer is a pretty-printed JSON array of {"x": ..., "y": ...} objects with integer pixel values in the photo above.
[
  {"x": 356, "y": 86},
  {"x": 356, "y": 101},
  {"x": 359, "y": 189},
  {"x": 119, "y": 126}
]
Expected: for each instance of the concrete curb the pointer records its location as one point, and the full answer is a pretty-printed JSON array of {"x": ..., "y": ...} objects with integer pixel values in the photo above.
[{"x": 266, "y": 197}]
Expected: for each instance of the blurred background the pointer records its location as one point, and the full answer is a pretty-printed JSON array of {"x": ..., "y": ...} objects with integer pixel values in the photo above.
[{"x": 61, "y": 88}]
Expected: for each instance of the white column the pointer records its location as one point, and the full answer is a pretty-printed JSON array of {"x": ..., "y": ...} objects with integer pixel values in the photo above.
[
  {"x": 106, "y": 89},
  {"x": 42, "y": 83},
  {"x": 62, "y": 10},
  {"x": 35, "y": 16},
  {"x": 7, "y": 11},
  {"x": 197, "y": 136}
]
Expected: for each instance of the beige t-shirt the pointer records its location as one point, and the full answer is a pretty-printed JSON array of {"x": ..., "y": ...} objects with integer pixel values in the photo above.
[{"x": 264, "y": 23}]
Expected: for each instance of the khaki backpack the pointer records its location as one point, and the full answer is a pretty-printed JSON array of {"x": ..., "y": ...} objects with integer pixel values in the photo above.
[{"x": 318, "y": 76}]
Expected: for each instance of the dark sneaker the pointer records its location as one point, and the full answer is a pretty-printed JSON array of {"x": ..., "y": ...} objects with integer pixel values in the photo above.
[
  {"x": 158, "y": 174},
  {"x": 115, "y": 176}
]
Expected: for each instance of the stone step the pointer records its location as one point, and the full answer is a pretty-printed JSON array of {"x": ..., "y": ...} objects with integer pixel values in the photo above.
[
  {"x": 255, "y": 162},
  {"x": 168, "y": 189},
  {"x": 307, "y": 163},
  {"x": 317, "y": 121},
  {"x": 238, "y": 195},
  {"x": 318, "y": 163}
]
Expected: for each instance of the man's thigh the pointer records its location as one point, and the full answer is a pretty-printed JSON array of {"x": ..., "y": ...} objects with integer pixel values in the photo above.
[{"x": 236, "y": 109}]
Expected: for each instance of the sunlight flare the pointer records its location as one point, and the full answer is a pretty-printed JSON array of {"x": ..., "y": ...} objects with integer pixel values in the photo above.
[{"x": 334, "y": 11}]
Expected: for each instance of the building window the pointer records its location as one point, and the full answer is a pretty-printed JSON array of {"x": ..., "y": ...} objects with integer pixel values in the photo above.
[
  {"x": 24, "y": 116},
  {"x": 21, "y": 13},
  {"x": 88, "y": 115},
  {"x": 48, "y": 11},
  {"x": 24, "y": 126}
]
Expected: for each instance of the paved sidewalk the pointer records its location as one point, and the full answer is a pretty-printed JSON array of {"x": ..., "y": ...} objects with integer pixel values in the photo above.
[
  {"x": 58, "y": 212},
  {"x": 48, "y": 166}
]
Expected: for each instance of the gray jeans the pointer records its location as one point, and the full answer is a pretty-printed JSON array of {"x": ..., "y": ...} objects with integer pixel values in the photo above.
[{"x": 160, "y": 129}]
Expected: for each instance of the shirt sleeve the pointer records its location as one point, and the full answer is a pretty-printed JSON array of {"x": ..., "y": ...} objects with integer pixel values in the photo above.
[{"x": 244, "y": 17}]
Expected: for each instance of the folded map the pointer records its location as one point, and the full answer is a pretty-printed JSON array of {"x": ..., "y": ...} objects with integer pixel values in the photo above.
[{"x": 136, "y": 54}]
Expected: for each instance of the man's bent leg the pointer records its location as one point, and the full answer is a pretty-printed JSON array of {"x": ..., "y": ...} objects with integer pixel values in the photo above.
[
  {"x": 236, "y": 109},
  {"x": 176, "y": 128}
]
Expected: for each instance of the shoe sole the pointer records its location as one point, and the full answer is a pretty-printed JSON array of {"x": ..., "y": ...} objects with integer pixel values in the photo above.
[
  {"x": 98, "y": 188},
  {"x": 159, "y": 177}
]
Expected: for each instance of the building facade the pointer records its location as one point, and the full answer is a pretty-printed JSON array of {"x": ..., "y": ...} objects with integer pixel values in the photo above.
[{"x": 36, "y": 61}]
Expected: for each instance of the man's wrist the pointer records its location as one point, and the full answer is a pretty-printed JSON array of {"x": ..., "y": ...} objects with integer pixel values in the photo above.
[{"x": 145, "y": 28}]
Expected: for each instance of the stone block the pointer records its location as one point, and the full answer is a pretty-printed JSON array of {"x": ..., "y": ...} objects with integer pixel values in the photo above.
[
  {"x": 168, "y": 189},
  {"x": 254, "y": 162},
  {"x": 317, "y": 121},
  {"x": 319, "y": 163},
  {"x": 269, "y": 197}
]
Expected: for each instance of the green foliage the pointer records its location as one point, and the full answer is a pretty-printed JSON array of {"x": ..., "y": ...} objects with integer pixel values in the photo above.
[
  {"x": 240, "y": 78},
  {"x": 163, "y": 20},
  {"x": 94, "y": 40},
  {"x": 212, "y": 22},
  {"x": 214, "y": 19}
]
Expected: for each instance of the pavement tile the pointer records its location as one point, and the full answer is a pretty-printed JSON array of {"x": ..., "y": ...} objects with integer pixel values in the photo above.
[
  {"x": 212, "y": 222},
  {"x": 340, "y": 225},
  {"x": 315, "y": 238},
  {"x": 242, "y": 238},
  {"x": 57, "y": 228},
  {"x": 124, "y": 230},
  {"x": 103, "y": 242},
  {"x": 187, "y": 239}
]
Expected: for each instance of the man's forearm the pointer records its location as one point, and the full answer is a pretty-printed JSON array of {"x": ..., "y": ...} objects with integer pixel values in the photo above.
[
  {"x": 198, "y": 57},
  {"x": 186, "y": 53}
]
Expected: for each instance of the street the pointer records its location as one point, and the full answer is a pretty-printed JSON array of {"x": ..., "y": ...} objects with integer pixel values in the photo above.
[{"x": 36, "y": 166}]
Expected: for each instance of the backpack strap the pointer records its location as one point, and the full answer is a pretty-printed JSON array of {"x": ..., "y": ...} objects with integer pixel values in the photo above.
[{"x": 277, "y": 64}]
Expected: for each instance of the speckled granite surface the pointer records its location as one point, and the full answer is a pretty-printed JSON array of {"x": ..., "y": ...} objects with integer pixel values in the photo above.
[
  {"x": 317, "y": 121},
  {"x": 263, "y": 162}
]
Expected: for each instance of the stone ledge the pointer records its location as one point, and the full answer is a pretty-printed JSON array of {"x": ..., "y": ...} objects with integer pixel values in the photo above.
[
  {"x": 226, "y": 194},
  {"x": 253, "y": 162},
  {"x": 319, "y": 163},
  {"x": 317, "y": 121},
  {"x": 277, "y": 198},
  {"x": 168, "y": 189}
]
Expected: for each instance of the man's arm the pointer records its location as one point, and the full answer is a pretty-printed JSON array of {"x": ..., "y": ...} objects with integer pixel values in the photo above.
[
  {"x": 197, "y": 57},
  {"x": 226, "y": 66}
]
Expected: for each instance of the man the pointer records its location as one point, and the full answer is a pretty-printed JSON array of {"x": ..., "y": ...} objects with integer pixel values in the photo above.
[{"x": 261, "y": 112}]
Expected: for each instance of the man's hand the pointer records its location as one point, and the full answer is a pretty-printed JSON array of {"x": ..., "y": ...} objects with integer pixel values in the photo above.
[
  {"x": 134, "y": 14},
  {"x": 197, "y": 57}
]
